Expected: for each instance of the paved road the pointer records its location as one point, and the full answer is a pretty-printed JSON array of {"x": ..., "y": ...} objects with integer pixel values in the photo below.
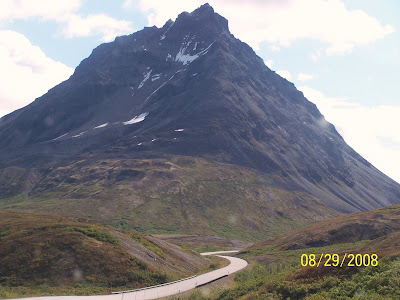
[
  {"x": 166, "y": 290},
  {"x": 219, "y": 252}
]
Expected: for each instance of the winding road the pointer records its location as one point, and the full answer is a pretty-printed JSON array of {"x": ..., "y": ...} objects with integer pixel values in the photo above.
[{"x": 169, "y": 289}]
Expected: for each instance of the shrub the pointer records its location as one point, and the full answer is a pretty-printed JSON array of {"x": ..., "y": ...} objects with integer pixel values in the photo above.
[{"x": 96, "y": 234}]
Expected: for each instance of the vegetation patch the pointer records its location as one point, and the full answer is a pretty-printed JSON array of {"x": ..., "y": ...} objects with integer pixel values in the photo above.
[
  {"x": 96, "y": 234},
  {"x": 172, "y": 195},
  {"x": 53, "y": 255},
  {"x": 276, "y": 272},
  {"x": 4, "y": 233},
  {"x": 148, "y": 244}
]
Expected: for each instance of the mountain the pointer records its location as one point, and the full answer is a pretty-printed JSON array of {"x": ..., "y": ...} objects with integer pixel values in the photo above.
[{"x": 186, "y": 126}]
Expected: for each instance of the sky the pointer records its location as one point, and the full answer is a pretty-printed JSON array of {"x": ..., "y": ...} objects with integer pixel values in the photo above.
[{"x": 344, "y": 55}]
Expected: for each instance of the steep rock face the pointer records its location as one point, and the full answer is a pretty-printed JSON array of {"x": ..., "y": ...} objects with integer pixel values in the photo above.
[{"x": 191, "y": 88}]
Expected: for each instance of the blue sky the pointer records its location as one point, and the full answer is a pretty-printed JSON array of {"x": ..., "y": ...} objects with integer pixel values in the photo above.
[{"x": 344, "y": 55}]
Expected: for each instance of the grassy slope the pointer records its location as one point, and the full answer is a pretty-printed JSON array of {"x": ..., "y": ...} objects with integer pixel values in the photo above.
[
  {"x": 276, "y": 272},
  {"x": 164, "y": 196},
  {"x": 351, "y": 228},
  {"x": 47, "y": 255},
  {"x": 204, "y": 243}
]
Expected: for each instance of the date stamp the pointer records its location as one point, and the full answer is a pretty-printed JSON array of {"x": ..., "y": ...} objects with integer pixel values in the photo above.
[{"x": 336, "y": 260}]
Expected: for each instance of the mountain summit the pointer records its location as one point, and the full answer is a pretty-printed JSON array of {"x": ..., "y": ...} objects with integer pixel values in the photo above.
[{"x": 189, "y": 89}]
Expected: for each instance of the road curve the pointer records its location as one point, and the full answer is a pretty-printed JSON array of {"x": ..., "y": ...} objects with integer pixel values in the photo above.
[{"x": 235, "y": 265}]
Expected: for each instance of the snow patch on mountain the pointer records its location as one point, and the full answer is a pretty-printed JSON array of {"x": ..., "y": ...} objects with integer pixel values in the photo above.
[
  {"x": 60, "y": 137},
  {"x": 163, "y": 35},
  {"x": 156, "y": 77},
  {"x": 146, "y": 77},
  {"x": 187, "y": 58},
  {"x": 164, "y": 84},
  {"x": 136, "y": 119},
  {"x": 101, "y": 126},
  {"x": 79, "y": 135}
]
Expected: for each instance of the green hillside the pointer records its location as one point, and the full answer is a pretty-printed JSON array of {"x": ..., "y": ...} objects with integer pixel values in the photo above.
[
  {"x": 175, "y": 195},
  {"x": 276, "y": 271},
  {"x": 53, "y": 255}
]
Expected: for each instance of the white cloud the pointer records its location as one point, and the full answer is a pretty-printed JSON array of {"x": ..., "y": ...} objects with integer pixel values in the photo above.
[
  {"x": 44, "y": 9},
  {"x": 128, "y": 4},
  {"x": 283, "y": 22},
  {"x": 66, "y": 13},
  {"x": 26, "y": 72},
  {"x": 159, "y": 11},
  {"x": 371, "y": 131},
  {"x": 285, "y": 74},
  {"x": 304, "y": 77},
  {"x": 316, "y": 55},
  {"x": 269, "y": 63},
  {"x": 108, "y": 28},
  {"x": 275, "y": 48}
]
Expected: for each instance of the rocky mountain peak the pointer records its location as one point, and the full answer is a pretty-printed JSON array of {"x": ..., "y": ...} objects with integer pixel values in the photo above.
[
  {"x": 205, "y": 11},
  {"x": 203, "y": 17},
  {"x": 167, "y": 24},
  {"x": 205, "y": 8}
]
